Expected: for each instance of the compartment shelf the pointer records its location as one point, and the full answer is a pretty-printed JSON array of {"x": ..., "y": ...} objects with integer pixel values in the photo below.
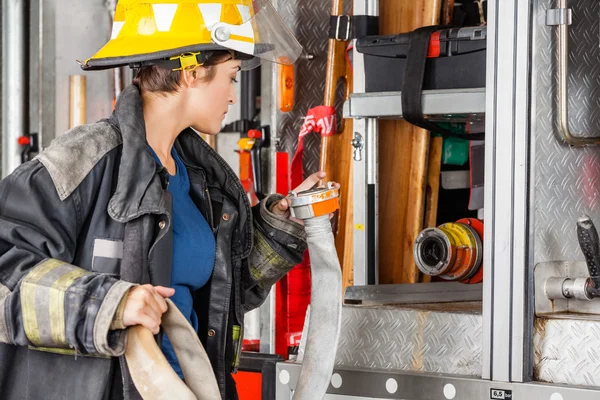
[{"x": 440, "y": 104}]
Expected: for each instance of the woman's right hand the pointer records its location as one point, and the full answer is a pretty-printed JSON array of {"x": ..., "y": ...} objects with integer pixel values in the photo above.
[{"x": 145, "y": 306}]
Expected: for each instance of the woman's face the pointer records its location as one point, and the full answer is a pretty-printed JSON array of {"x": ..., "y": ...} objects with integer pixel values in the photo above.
[{"x": 209, "y": 101}]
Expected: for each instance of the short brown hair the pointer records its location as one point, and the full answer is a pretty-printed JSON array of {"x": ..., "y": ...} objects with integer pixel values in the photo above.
[{"x": 157, "y": 79}]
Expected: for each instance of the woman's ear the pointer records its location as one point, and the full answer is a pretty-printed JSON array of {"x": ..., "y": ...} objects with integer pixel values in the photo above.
[{"x": 191, "y": 77}]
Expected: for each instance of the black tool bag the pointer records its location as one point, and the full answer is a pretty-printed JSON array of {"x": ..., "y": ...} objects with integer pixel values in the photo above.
[{"x": 456, "y": 59}]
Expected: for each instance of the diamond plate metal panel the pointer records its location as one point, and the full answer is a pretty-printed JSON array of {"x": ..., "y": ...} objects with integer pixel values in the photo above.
[
  {"x": 567, "y": 352},
  {"x": 398, "y": 338},
  {"x": 566, "y": 179},
  {"x": 309, "y": 20},
  {"x": 566, "y": 185}
]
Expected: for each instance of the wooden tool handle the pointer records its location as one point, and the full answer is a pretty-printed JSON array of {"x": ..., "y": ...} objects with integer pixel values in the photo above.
[
  {"x": 447, "y": 12},
  {"x": 77, "y": 100},
  {"x": 336, "y": 150},
  {"x": 335, "y": 73}
]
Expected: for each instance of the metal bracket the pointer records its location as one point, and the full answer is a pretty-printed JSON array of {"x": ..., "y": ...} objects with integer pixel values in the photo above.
[
  {"x": 545, "y": 279},
  {"x": 559, "y": 16}
]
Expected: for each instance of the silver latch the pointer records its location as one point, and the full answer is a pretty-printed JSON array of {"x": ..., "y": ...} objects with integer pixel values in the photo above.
[
  {"x": 559, "y": 16},
  {"x": 573, "y": 287},
  {"x": 358, "y": 145}
]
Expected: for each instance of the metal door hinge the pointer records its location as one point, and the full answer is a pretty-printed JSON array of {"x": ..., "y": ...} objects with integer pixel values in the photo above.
[{"x": 559, "y": 16}]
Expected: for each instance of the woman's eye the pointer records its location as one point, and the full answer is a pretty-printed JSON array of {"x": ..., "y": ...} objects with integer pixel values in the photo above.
[{"x": 234, "y": 80}]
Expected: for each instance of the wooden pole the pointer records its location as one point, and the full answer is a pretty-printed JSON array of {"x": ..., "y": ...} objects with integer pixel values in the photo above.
[
  {"x": 403, "y": 160},
  {"x": 336, "y": 151},
  {"x": 433, "y": 187},
  {"x": 77, "y": 100},
  {"x": 447, "y": 12}
]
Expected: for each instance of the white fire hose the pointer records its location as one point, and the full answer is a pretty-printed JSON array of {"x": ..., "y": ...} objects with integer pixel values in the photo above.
[
  {"x": 153, "y": 376},
  {"x": 156, "y": 380},
  {"x": 314, "y": 207}
]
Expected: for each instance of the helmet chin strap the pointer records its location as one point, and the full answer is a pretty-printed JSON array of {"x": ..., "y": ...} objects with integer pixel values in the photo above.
[{"x": 178, "y": 63}]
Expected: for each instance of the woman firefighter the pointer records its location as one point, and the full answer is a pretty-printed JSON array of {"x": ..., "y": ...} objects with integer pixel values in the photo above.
[{"x": 118, "y": 215}]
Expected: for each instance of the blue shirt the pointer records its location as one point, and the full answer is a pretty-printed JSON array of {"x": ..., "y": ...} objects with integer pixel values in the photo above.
[{"x": 193, "y": 251}]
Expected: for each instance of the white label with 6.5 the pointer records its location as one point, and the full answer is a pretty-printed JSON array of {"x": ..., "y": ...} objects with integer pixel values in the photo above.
[{"x": 499, "y": 394}]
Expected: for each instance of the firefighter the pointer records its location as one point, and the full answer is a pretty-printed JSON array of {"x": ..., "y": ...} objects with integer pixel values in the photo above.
[{"x": 118, "y": 215}]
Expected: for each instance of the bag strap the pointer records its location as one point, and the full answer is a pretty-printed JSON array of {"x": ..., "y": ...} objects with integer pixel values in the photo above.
[{"x": 412, "y": 88}]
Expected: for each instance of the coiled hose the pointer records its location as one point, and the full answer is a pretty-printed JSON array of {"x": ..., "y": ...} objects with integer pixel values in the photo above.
[{"x": 151, "y": 372}]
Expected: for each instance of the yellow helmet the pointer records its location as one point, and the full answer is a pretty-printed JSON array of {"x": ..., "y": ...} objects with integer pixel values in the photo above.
[{"x": 179, "y": 34}]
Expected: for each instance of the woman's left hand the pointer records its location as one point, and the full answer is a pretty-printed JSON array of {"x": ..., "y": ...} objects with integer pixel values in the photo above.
[{"x": 283, "y": 207}]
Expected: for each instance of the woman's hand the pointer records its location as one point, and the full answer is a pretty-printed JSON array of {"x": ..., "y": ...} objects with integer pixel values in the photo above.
[
  {"x": 145, "y": 306},
  {"x": 282, "y": 207}
]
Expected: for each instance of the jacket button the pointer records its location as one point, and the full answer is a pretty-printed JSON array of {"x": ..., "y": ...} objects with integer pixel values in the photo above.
[
  {"x": 211, "y": 332},
  {"x": 162, "y": 224},
  {"x": 225, "y": 217}
]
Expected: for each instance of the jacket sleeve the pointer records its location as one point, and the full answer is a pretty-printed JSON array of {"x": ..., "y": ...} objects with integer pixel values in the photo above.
[
  {"x": 46, "y": 302},
  {"x": 278, "y": 246}
]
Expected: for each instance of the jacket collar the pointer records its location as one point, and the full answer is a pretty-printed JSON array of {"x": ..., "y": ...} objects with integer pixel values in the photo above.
[{"x": 139, "y": 188}]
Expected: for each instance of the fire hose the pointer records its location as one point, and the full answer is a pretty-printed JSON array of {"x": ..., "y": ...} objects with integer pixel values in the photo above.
[
  {"x": 156, "y": 380},
  {"x": 313, "y": 207},
  {"x": 151, "y": 372}
]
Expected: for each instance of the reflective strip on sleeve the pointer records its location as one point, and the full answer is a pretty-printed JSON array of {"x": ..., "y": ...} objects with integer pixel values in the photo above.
[
  {"x": 57, "y": 304},
  {"x": 43, "y": 301},
  {"x": 28, "y": 287}
]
